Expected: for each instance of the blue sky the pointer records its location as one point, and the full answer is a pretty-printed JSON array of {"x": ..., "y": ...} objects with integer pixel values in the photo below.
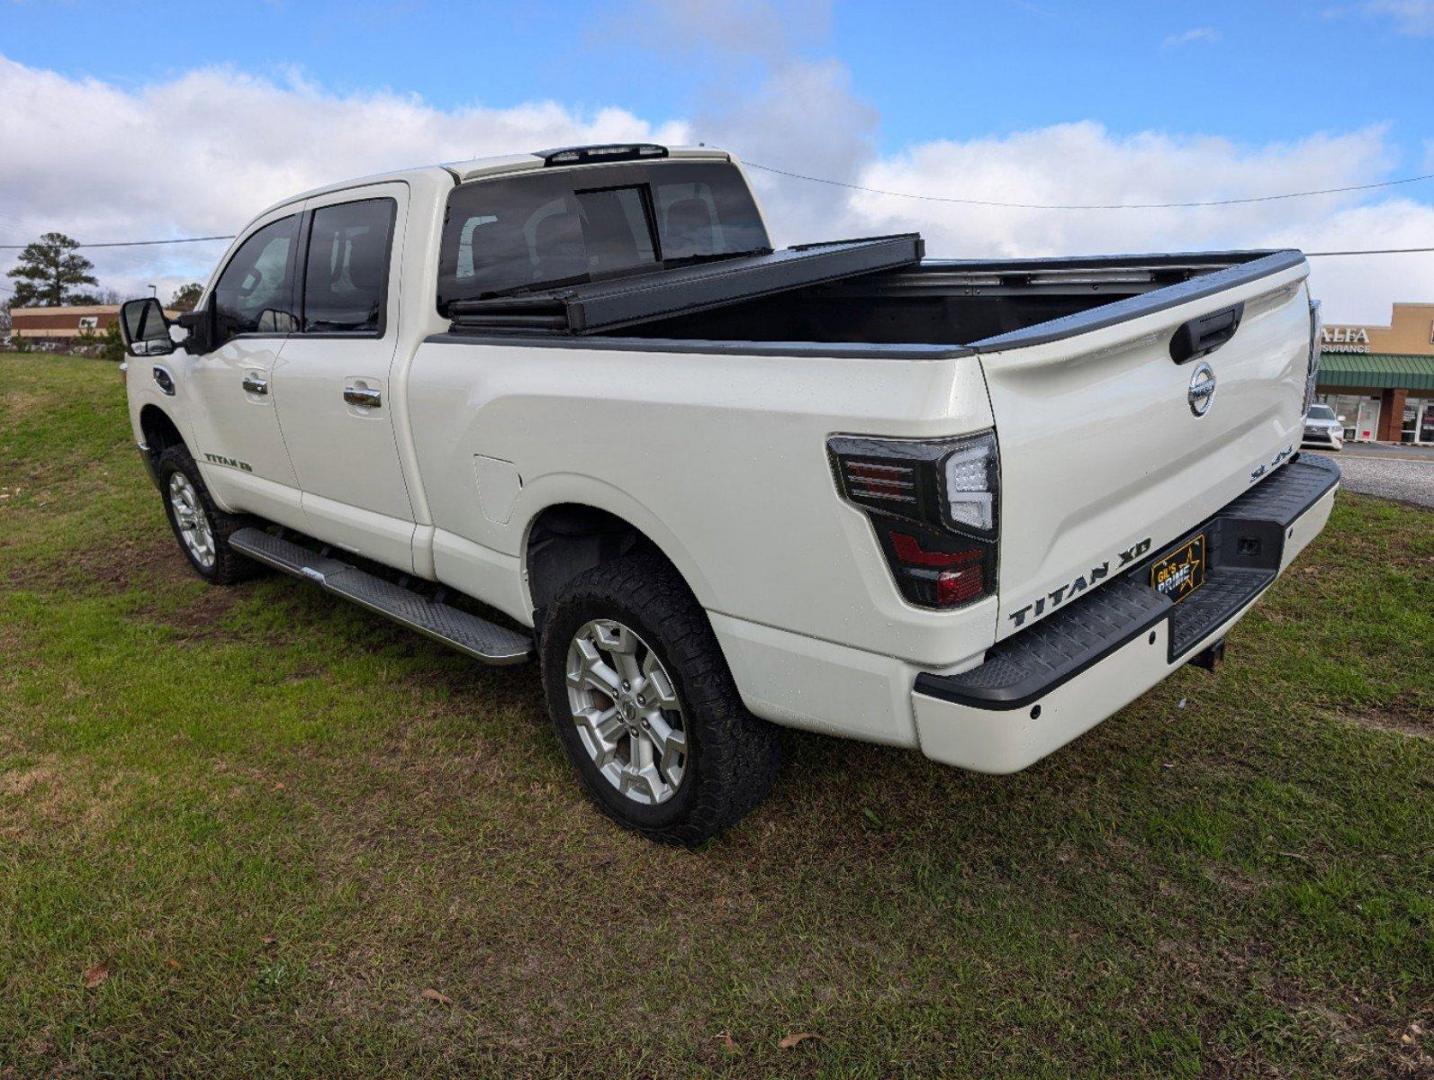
[
  {"x": 129, "y": 121},
  {"x": 1252, "y": 71}
]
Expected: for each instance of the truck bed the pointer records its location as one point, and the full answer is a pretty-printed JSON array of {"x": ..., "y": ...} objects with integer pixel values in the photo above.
[{"x": 873, "y": 292}]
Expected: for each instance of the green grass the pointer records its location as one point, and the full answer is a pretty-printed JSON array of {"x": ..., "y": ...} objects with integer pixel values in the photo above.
[{"x": 276, "y": 821}]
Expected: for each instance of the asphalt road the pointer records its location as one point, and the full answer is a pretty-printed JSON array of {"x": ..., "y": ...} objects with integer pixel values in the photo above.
[{"x": 1405, "y": 473}]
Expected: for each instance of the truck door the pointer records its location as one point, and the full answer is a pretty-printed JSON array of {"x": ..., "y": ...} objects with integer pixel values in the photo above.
[
  {"x": 331, "y": 381},
  {"x": 240, "y": 449}
]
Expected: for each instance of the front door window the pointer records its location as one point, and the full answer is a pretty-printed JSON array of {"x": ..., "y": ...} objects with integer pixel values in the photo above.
[{"x": 255, "y": 294}]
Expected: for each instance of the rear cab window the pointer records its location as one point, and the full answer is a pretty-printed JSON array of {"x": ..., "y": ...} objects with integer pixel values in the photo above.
[{"x": 544, "y": 229}]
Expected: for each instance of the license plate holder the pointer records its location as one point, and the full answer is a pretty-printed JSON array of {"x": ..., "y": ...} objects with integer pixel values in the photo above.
[{"x": 1180, "y": 571}]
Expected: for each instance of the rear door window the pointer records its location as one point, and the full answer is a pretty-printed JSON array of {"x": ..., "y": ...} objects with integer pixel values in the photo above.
[{"x": 346, "y": 270}]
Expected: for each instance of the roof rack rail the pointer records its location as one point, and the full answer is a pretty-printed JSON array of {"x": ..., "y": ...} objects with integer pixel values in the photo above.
[{"x": 587, "y": 155}]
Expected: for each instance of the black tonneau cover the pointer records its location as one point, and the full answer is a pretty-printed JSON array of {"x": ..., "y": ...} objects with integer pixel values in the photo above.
[{"x": 597, "y": 306}]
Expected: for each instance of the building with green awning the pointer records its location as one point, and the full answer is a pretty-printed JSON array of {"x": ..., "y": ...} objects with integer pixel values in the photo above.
[
  {"x": 1376, "y": 371},
  {"x": 1380, "y": 379}
]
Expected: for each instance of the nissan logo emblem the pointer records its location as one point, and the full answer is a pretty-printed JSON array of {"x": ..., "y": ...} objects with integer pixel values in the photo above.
[{"x": 1202, "y": 389}]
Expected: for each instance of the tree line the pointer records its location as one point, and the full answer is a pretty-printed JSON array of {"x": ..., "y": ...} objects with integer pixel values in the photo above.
[{"x": 50, "y": 272}]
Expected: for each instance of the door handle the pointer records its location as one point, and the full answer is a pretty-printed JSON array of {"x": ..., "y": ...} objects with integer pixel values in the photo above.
[
  {"x": 1206, "y": 333},
  {"x": 363, "y": 396},
  {"x": 255, "y": 383}
]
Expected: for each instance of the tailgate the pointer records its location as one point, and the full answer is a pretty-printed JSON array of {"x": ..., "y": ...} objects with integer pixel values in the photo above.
[{"x": 1103, "y": 457}]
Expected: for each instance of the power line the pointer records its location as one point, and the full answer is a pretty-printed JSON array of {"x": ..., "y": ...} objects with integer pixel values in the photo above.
[
  {"x": 953, "y": 199},
  {"x": 1090, "y": 206},
  {"x": 1372, "y": 251},
  {"x": 130, "y": 243}
]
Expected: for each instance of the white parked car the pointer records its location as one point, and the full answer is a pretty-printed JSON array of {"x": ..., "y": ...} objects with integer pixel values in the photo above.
[
  {"x": 1323, "y": 430},
  {"x": 573, "y": 405}
]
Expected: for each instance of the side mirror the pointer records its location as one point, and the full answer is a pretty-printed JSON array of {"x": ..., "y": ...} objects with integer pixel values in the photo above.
[
  {"x": 144, "y": 328},
  {"x": 1341, "y": 419},
  {"x": 200, "y": 324}
]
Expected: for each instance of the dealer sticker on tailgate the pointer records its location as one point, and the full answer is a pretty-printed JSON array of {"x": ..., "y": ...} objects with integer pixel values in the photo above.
[{"x": 1181, "y": 572}]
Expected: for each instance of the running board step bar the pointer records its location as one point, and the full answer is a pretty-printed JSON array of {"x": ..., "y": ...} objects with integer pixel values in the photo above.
[{"x": 479, "y": 638}]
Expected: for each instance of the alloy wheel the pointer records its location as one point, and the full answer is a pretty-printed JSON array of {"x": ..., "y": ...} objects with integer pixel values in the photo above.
[
  {"x": 195, "y": 531},
  {"x": 626, "y": 710}
]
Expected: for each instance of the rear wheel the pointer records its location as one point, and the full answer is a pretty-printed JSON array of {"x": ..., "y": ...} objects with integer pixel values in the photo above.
[
  {"x": 202, "y": 529},
  {"x": 645, "y": 707}
]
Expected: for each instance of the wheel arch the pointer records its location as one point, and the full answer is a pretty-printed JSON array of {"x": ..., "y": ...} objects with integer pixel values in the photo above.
[
  {"x": 566, "y": 538},
  {"x": 157, "y": 433},
  {"x": 159, "y": 430}
]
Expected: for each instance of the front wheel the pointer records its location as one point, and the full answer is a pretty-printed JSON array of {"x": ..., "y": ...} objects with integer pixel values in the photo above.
[
  {"x": 202, "y": 529},
  {"x": 645, "y": 706}
]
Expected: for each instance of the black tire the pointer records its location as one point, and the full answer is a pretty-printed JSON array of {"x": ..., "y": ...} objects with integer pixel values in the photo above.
[
  {"x": 732, "y": 757},
  {"x": 228, "y": 566}
]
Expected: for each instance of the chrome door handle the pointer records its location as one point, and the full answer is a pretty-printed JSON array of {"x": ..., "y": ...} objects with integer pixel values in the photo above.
[
  {"x": 363, "y": 396},
  {"x": 255, "y": 384}
]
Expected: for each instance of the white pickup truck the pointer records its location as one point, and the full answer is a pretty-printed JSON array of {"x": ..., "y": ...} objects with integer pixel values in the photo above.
[{"x": 573, "y": 404}]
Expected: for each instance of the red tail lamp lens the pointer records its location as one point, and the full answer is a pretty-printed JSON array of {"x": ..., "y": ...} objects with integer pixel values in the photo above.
[
  {"x": 937, "y": 570},
  {"x": 958, "y": 586},
  {"x": 909, "y": 550}
]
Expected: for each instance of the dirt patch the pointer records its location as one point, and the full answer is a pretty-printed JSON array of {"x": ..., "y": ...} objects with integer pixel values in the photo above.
[
  {"x": 199, "y": 620},
  {"x": 20, "y": 783},
  {"x": 20, "y": 403},
  {"x": 52, "y": 795},
  {"x": 1402, "y": 716},
  {"x": 153, "y": 563},
  {"x": 141, "y": 560}
]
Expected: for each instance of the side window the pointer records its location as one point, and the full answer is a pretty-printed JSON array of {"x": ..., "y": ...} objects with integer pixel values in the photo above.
[
  {"x": 346, "y": 276},
  {"x": 688, "y": 219},
  {"x": 615, "y": 226},
  {"x": 255, "y": 294}
]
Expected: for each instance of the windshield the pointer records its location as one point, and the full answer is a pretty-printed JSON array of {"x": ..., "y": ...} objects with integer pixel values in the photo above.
[
  {"x": 1321, "y": 412},
  {"x": 559, "y": 227}
]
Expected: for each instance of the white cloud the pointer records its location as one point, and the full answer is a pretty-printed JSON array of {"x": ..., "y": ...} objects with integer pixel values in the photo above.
[
  {"x": 203, "y": 152},
  {"x": 1412, "y": 17},
  {"x": 804, "y": 114},
  {"x": 1196, "y": 35},
  {"x": 1083, "y": 163}
]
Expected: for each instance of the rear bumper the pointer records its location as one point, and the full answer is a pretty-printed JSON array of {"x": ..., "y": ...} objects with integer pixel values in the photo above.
[{"x": 1039, "y": 689}]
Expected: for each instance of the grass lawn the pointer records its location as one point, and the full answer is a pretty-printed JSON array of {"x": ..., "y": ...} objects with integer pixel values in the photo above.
[{"x": 255, "y": 831}]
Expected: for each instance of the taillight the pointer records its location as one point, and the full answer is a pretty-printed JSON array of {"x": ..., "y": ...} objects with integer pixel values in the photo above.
[{"x": 933, "y": 504}]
